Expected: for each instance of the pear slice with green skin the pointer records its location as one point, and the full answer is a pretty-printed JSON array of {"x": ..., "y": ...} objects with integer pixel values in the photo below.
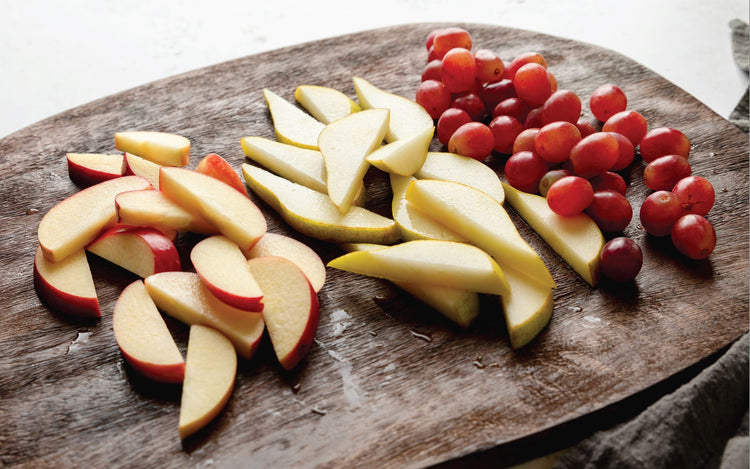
[
  {"x": 314, "y": 214},
  {"x": 345, "y": 145},
  {"x": 324, "y": 103},
  {"x": 527, "y": 308},
  {"x": 576, "y": 239},
  {"x": 412, "y": 223},
  {"x": 458, "y": 168},
  {"x": 458, "y": 305},
  {"x": 440, "y": 263},
  {"x": 403, "y": 157},
  {"x": 291, "y": 124},
  {"x": 482, "y": 221},
  {"x": 407, "y": 117}
]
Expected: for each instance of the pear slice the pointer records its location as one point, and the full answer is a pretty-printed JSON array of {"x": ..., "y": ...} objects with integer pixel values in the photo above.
[
  {"x": 458, "y": 168},
  {"x": 345, "y": 145},
  {"x": 440, "y": 263},
  {"x": 482, "y": 221},
  {"x": 458, "y": 305},
  {"x": 324, "y": 103},
  {"x": 412, "y": 222},
  {"x": 527, "y": 308},
  {"x": 576, "y": 239},
  {"x": 407, "y": 117},
  {"x": 291, "y": 124},
  {"x": 403, "y": 157},
  {"x": 314, "y": 214}
]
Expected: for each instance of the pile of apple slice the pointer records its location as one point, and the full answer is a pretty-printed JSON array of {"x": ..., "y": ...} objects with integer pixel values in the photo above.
[
  {"x": 245, "y": 281},
  {"x": 449, "y": 238}
]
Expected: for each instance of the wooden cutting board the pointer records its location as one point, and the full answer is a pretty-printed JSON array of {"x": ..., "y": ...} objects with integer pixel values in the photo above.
[{"x": 388, "y": 382}]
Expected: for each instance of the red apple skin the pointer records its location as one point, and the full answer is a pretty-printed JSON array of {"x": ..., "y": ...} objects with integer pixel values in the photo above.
[
  {"x": 253, "y": 305},
  {"x": 166, "y": 257},
  {"x": 62, "y": 301},
  {"x": 217, "y": 167},
  {"x": 169, "y": 374},
  {"x": 86, "y": 176}
]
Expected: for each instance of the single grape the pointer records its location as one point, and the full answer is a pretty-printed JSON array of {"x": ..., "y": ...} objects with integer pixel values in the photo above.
[
  {"x": 552, "y": 81},
  {"x": 524, "y": 170},
  {"x": 473, "y": 139},
  {"x": 450, "y": 38},
  {"x": 606, "y": 101},
  {"x": 594, "y": 154},
  {"x": 458, "y": 70},
  {"x": 430, "y": 38},
  {"x": 555, "y": 140},
  {"x": 694, "y": 236},
  {"x": 585, "y": 127},
  {"x": 532, "y": 84},
  {"x": 525, "y": 140},
  {"x": 610, "y": 210},
  {"x": 505, "y": 129},
  {"x": 490, "y": 66},
  {"x": 696, "y": 194},
  {"x": 562, "y": 105},
  {"x": 434, "y": 97},
  {"x": 570, "y": 195},
  {"x": 469, "y": 102},
  {"x": 626, "y": 152},
  {"x": 495, "y": 92},
  {"x": 534, "y": 119},
  {"x": 664, "y": 141},
  {"x": 628, "y": 123},
  {"x": 450, "y": 120},
  {"x": 432, "y": 71},
  {"x": 659, "y": 211},
  {"x": 609, "y": 180},
  {"x": 523, "y": 59},
  {"x": 550, "y": 177},
  {"x": 665, "y": 171},
  {"x": 621, "y": 259},
  {"x": 513, "y": 107}
]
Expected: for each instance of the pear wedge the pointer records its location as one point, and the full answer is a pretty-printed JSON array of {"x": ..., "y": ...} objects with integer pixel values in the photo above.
[
  {"x": 403, "y": 157},
  {"x": 482, "y": 221},
  {"x": 439, "y": 263},
  {"x": 412, "y": 222},
  {"x": 458, "y": 168},
  {"x": 407, "y": 117},
  {"x": 345, "y": 145},
  {"x": 291, "y": 124},
  {"x": 527, "y": 308},
  {"x": 576, "y": 239},
  {"x": 314, "y": 214},
  {"x": 324, "y": 103}
]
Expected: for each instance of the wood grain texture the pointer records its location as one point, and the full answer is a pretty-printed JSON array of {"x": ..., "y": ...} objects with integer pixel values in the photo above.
[{"x": 377, "y": 394}]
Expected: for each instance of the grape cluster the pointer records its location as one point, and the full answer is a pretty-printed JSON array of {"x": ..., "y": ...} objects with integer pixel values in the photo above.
[{"x": 485, "y": 105}]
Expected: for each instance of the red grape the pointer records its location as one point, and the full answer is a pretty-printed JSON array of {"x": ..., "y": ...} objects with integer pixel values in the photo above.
[
  {"x": 533, "y": 119},
  {"x": 585, "y": 127},
  {"x": 694, "y": 236},
  {"x": 664, "y": 141},
  {"x": 569, "y": 195},
  {"x": 664, "y": 172},
  {"x": 430, "y": 38},
  {"x": 493, "y": 93},
  {"x": 505, "y": 129},
  {"x": 610, "y": 210},
  {"x": 490, "y": 67},
  {"x": 532, "y": 84},
  {"x": 434, "y": 97},
  {"x": 450, "y": 38},
  {"x": 594, "y": 154},
  {"x": 628, "y": 123},
  {"x": 555, "y": 140},
  {"x": 471, "y": 103},
  {"x": 525, "y": 140},
  {"x": 606, "y": 101},
  {"x": 450, "y": 120},
  {"x": 472, "y": 139},
  {"x": 512, "y": 107},
  {"x": 523, "y": 59},
  {"x": 458, "y": 70},
  {"x": 524, "y": 170},
  {"x": 550, "y": 177},
  {"x": 621, "y": 259},
  {"x": 609, "y": 181},
  {"x": 659, "y": 212},
  {"x": 552, "y": 81},
  {"x": 562, "y": 105},
  {"x": 432, "y": 71},
  {"x": 626, "y": 152},
  {"x": 696, "y": 194}
]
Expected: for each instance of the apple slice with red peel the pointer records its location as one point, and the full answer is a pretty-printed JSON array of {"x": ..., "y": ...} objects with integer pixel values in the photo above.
[
  {"x": 222, "y": 266},
  {"x": 273, "y": 244},
  {"x": 217, "y": 167},
  {"x": 291, "y": 311},
  {"x": 159, "y": 147},
  {"x": 66, "y": 286},
  {"x": 143, "y": 336},
  {"x": 87, "y": 169},
  {"x": 210, "y": 372},
  {"x": 137, "y": 166},
  {"x": 234, "y": 215},
  {"x": 141, "y": 250},
  {"x": 77, "y": 220},
  {"x": 183, "y": 296},
  {"x": 154, "y": 209}
]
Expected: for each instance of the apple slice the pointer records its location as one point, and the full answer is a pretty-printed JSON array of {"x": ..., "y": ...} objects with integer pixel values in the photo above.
[
  {"x": 459, "y": 306},
  {"x": 345, "y": 145},
  {"x": 142, "y": 251},
  {"x": 273, "y": 244},
  {"x": 87, "y": 169},
  {"x": 324, "y": 103},
  {"x": 183, "y": 296},
  {"x": 217, "y": 167},
  {"x": 137, "y": 166},
  {"x": 412, "y": 222},
  {"x": 77, "y": 220},
  {"x": 405, "y": 156},
  {"x": 233, "y": 214},
  {"x": 440, "y": 263},
  {"x": 291, "y": 311},
  {"x": 527, "y": 308},
  {"x": 407, "y": 118},
  {"x": 482, "y": 220},
  {"x": 210, "y": 372},
  {"x": 291, "y": 124},
  {"x": 576, "y": 239},
  {"x": 313, "y": 214},
  {"x": 152, "y": 208},
  {"x": 143, "y": 336},
  {"x": 223, "y": 268},
  {"x": 66, "y": 286},
  {"x": 159, "y": 147},
  {"x": 458, "y": 168}
]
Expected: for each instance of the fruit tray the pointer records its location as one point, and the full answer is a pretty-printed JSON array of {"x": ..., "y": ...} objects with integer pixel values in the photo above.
[{"x": 388, "y": 382}]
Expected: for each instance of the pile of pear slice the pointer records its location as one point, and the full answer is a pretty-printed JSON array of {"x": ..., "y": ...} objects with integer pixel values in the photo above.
[{"x": 449, "y": 227}]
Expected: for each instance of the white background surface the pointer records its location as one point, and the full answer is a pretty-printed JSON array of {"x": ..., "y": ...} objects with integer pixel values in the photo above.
[{"x": 57, "y": 55}]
